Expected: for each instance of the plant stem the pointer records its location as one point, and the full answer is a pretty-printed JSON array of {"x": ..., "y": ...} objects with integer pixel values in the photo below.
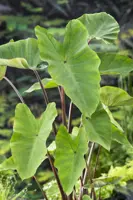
[
  {"x": 94, "y": 173},
  {"x": 70, "y": 117},
  {"x": 83, "y": 181},
  {"x": 85, "y": 174},
  {"x": 15, "y": 89},
  {"x": 97, "y": 161},
  {"x": 64, "y": 197},
  {"x": 96, "y": 164},
  {"x": 63, "y": 105},
  {"x": 43, "y": 193},
  {"x": 88, "y": 163},
  {"x": 74, "y": 193},
  {"x": 45, "y": 96}
]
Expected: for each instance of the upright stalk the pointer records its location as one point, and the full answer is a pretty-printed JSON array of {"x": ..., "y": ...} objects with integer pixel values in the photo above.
[
  {"x": 87, "y": 170},
  {"x": 15, "y": 89},
  {"x": 64, "y": 197},
  {"x": 94, "y": 173},
  {"x": 45, "y": 96},
  {"x": 43, "y": 193},
  {"x": 70, "y": 117},
  {"x": 97, "y": 161},
  {"x": 63, "y": 105},
  {"x": 88, "y": 163}
]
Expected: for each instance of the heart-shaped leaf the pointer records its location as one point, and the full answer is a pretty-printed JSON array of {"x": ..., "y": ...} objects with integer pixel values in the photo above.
[
  {"x": 2, "y": 72},
  {"x": 101, "y": 26},
  {"x": 98, "y": 128},
  {"x": 47, "y": 83},
  {"x": 28, "y": 143},
  {"x": 73, "y": 65},
  {"x": 115, "y": 64},
  {"x": 21, "y": 54},
  {"x": 113, "y": 96},
  {"x": 69, "y": 160}
]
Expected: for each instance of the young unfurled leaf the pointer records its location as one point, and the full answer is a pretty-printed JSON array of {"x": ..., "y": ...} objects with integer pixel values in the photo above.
[
  {"x": 47, "y": 83},
  {"x": 101, "y": 26},
  {"x": 21, "y": 54},
  {"x": 69, "y": 160},
  {"x": 73, "y": 65},
  {"x": 98, "y": 128},
  {"x": 115, "y": 64},
  {"x": 2, "y": 72},
  {"x": 114, "y": 96},
  {"x": 28, "y": 143}
]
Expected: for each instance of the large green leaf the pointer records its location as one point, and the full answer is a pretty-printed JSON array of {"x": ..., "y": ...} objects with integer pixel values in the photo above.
[
  {"x": 47, "y": 83},
  {"x": 8, "y": 164},
  {"x": 20, "y": 54},
  {"x": 2, "y": 72},
  {"x": 100, "y": 26},
  {"x": 73, "y": 65},
  {"x": 98, "y": 128},
  {"x": 113, "y": 96},
  {"x": 70, "y": 150},
  {"x": 28, "y": 143},
  {"x": 115, "y": 64}
]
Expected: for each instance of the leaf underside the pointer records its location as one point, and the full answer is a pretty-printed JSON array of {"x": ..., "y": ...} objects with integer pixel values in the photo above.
[{"x": 21, "y": 54}]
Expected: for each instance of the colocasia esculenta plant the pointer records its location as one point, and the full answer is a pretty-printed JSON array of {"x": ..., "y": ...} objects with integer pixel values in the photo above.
[{"x": 75, "y": 67}]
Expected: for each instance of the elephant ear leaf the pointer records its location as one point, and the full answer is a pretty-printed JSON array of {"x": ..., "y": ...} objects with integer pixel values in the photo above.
[
  {"x": 2, "y": 72},
  {"x": 21, "y": 54},
  {"x": 112, "y": 63},
  {"x": 73, "y": 65},
  {"x": 113, "y": 96},
  {"x": 28, "y": 143},
  {"x": 69, "y": 156},
  {"x": 100, "y": 26}
]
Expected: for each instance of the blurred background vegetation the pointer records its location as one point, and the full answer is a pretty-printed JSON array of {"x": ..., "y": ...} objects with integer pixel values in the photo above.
[{"x": 17, "y": 21}]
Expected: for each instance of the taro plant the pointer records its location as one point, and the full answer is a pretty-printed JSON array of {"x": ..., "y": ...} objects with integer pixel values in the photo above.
[{"x": 75, "y": 67}]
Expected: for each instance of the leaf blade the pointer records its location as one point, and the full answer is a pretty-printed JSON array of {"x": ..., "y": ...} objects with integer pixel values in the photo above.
[
  {"x": 28, "y": 143},
  {"x": 98, "y": 128},
  {"x": 21, "y": 54},
  {"x": 100, "y": 26},
  {"x": 65, "y": 68},
  {"x": 69, "y": 160}
]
